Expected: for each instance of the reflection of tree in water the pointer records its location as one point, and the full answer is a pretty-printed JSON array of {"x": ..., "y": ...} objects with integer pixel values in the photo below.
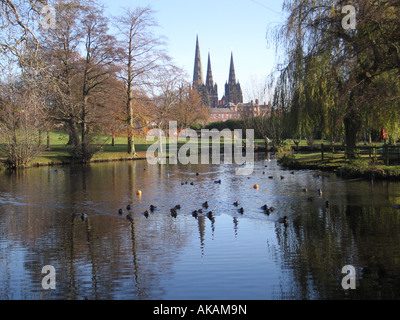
[
  {"x": 103, "y": 257},
  {"x": 318, "y": 243}
]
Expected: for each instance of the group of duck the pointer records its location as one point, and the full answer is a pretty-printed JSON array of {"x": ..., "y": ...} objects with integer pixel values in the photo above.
[
  {"x": 201, "y": 212},
  {"x": 130, "y": 216},
  {"x": 197, "y": 213}
]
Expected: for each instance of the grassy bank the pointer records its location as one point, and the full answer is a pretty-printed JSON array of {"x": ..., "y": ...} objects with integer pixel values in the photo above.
[
  {"x": 363, "y": 167},
  {"x": 59, "y": 152}
]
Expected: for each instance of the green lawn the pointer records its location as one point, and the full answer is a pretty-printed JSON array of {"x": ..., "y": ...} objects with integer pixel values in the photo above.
[{"x": 59, "y": 151}]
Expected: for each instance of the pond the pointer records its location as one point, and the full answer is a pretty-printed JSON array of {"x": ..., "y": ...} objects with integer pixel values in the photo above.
[{"x": 232, "y": 256}]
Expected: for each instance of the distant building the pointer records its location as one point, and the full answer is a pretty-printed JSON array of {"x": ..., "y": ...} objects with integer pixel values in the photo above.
[
  {"x": 239, "y": 111},
  {"x": 233, "y": 92},
  {"x": 231, "y": 105}
]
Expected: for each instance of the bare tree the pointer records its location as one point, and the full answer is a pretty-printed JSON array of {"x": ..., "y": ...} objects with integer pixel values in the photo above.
[
  {"x": 98, "y": 71},
  {"x": 190, "y": 109},
  {"x": 18, "y": 28},
  {"x": 60, "y": 49},
  {"x": 142, "y": 56},
  {"x": 21, "y": 111}
]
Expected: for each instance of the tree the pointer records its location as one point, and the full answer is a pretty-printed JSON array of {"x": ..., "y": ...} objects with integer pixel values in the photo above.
[
  {"x": 22, "y": 107},
  {"x": 190, "y": 109},
  {"x": 354, "y": 63},
  {"x": 60, "y": 49},
  {"x": 141, "y": 56},
  {"x": 20, "y": 113},
  {"x": 97, "y": 72},
  {"x": 18, "y": 28}
]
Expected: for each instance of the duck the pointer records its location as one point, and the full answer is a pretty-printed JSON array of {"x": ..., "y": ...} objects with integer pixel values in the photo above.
[
  {"x": 327, "y": 204},
  {"x": 174, "y": 213},
  {"x": 270, "y": 177},
  {"x": 264, "y": 207},
  {"x": 129, "y": 217},
  {"x": 128, "y": 207},
  {"x": 305, "y": 190},
  {"x": 120, "y": 211},
  {"x": 210, "y": 215},
  {"x": 153, "y": 208},
  {"x": 146, "y": 214},
  {"x": 282, "y": 177},
  {"x": 320, "y": 192},
  {"x": 267, "y": 212},
  {"x": 200, "y": 211},
  {"x": 197, "y": 174},
  {"x": 218, "y": 181},
  {"x": 178, "y": 207},
  {"x": 241, "y": 210},
  {"x": 236, "y": 204},
  {"x": 283, "y": 220},
  {"x": 205, "y": 205},
  {"x": 195, "y": 214},
  {"x": 84, "y": 216},
  {"x": 192, "y": 183},
  {"x": 272, "y": 209}
]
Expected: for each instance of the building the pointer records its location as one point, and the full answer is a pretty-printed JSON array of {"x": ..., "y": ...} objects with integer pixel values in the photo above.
[
  {"x": 208, "y": 90},
  {"x": 233, "y": 92},
  {"x": 239, "y": 111},
  {"x": 231, "y": 105}
]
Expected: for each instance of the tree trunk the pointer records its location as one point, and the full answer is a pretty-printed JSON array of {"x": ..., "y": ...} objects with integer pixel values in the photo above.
[
  {"x": 351, "y": 125},
  {"x": 40, "y": 138},
  {"x": 131, "y": 142},
  {"x": 73, "y": 134},
  {"x": 131, "y": 124},
  {"x": 48, "y": 140}
]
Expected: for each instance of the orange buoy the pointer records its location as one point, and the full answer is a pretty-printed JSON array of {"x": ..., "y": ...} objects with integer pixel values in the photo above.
[
  {"x": 255, "y": 186},
  {"x": 139, "y": 193}
]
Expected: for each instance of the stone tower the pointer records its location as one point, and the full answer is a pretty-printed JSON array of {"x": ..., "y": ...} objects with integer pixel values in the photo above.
[
  {"x": 233, "y": 91},
  {"x": 198, "y": 70},
  {"x": 198, "y": 81},
  {"x": 212, "y": 89}
]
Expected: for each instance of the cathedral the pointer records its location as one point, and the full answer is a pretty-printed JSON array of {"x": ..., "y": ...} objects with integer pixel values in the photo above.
[{"x": 208, "y": 91}]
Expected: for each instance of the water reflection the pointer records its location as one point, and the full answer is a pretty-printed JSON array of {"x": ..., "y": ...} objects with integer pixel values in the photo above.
[{"x": 239, "y": 256}]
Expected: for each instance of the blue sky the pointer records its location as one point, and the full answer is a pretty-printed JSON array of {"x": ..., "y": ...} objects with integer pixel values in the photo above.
[{"x": 223, "y": 26}]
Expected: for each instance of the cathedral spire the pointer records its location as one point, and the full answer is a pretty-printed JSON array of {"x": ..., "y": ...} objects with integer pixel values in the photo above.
[
  {"x": 232, "y": 76},
  {"x": 209, "y": 80},
  {"x": 198, "y": 73}
]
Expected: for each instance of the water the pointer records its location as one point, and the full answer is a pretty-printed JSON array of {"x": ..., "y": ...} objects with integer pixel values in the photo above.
[{"x": 233, "y": 257}]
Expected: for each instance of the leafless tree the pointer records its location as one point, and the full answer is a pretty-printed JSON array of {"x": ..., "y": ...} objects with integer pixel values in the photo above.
[{"x": 142, "y": 56}]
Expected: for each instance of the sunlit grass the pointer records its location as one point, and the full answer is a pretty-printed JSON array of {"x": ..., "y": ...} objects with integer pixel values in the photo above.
[{"x": 59, "y": 151}]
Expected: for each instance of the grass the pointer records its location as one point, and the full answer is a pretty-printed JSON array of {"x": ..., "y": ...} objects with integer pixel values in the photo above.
[
  {"x": 362, "y": 167},
  {"x": 59, "y": 152}
]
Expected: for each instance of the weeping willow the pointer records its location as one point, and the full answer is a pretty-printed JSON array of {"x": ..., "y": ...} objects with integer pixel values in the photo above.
[{"x": 336, "y": 80}]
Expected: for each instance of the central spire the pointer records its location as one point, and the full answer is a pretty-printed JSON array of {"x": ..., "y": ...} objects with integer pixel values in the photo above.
[
  {"x": 232, "y": 76},
  {"x": 198, "y": 73},
  {"x": 209, "y": 80}
]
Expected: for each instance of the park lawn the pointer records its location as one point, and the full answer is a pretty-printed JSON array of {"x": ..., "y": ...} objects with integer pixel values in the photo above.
[
  {"x": 362, "y": 167},
  {"x": 59, "y": 151}
]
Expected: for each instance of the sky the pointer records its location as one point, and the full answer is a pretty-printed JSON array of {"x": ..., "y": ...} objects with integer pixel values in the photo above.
[{"x": 223, "y": 26}]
